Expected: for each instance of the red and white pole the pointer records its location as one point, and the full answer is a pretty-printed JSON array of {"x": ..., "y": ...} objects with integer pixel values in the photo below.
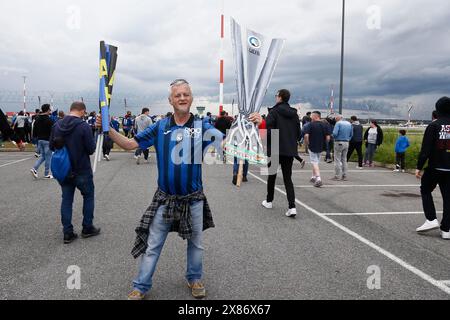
[
  {"x": 222, "y": 39},
  {"x": 24, "y": 94}
]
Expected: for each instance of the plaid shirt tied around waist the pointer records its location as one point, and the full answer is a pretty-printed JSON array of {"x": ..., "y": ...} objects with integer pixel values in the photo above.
[{"x": 177, "y": 213}]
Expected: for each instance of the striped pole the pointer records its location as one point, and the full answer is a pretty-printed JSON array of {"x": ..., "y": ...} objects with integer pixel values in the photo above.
[
  {"x": 222, "y": 39},
  {"x": 24, "y": 94}
]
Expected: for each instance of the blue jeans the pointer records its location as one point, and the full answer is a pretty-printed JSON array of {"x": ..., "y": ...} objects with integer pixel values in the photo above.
[
  {"x": 157, "y": 237},
  {"x": 84, "y": 183},
  {"x": 46, "y": 155},
  {"x": 236, "y": 167},
  {"x": 370, "y": 152}
]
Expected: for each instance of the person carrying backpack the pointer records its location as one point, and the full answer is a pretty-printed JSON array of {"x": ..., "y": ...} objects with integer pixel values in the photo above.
[{"x": 73, "y": 137}]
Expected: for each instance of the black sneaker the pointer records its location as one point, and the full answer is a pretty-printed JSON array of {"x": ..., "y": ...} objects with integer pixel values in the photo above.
[
  {"x": 70, "y": 237},
  {"x": 244, "y": 179},
  {"x": 90, "y": 232},
  {"x": 235, "y": 180}
]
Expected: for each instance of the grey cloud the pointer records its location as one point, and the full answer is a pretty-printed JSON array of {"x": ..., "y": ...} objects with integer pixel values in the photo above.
[{"x": 159, "y": 41}]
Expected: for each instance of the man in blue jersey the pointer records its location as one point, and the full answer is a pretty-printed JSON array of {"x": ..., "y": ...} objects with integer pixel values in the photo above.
[{"x": 179, "y": 204}]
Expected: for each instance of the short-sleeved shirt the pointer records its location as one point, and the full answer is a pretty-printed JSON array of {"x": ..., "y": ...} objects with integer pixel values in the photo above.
[
  {"x": 318, "y": 131},
  {"x": 180, "y": 151}
]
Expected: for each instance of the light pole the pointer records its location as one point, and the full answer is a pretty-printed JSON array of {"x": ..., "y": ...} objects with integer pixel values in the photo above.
[
  {"x": 222, "y": 40},
  {"x": 342, "y": 57},
  {"x": 24, "y": 94}
]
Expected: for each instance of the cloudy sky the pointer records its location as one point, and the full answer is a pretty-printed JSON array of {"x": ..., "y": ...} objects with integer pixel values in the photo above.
[{"x": 396, "y": 51}]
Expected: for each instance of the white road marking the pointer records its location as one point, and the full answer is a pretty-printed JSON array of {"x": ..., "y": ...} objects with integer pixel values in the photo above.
[
  {"x": 445, "y": 282},
  {"x": 18, "y": 161},
  {"x": 438, "y": 284},
  {"x": 327, "y": 186},
  {"x": 350, "y": 171},
  {"x": 373, "y": 214},
  {"x": 306, "y": 171}
]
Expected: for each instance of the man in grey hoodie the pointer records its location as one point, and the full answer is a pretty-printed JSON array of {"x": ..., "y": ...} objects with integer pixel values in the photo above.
[{"x": 141, "y": 124}]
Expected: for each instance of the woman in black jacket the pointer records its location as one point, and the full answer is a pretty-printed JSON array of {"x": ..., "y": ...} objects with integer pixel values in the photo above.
[{"x": 373, "y": 139}]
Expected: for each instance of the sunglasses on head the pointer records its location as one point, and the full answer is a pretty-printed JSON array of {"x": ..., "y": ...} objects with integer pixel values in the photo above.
[{"x": 179, "y": 81}]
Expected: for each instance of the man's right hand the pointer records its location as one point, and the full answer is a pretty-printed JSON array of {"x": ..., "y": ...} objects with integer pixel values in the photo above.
[
  {"x": 98, "y": 122},
  {"x": 418, "y": 174}
]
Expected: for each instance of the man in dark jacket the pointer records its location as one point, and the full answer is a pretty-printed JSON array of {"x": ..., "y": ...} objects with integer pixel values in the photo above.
[
  {"x": 285, "y": 119},
  {"x": 7, "y": 132},
  {"x": 80, "y": 143},
  {"x": 223, "y": 124},
  {"x": 41, "y": 132},
  {"x": 306, "y": 119},
  {"x": 356, "y": 142},
  {"x": 436, "y": 150}
]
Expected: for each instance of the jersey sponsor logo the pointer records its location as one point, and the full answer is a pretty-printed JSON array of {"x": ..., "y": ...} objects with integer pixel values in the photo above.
[{"x": 193, "y": 132}]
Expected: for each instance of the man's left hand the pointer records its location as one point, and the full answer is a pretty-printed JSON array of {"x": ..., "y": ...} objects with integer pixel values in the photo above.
[{"x": 256, "y": 118}]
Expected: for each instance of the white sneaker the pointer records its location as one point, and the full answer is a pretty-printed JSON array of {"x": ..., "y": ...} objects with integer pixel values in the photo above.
[
  {"x": 428, "y": 226},
  {"x": 445, "y": 235},
  {"x": 397, "y": 170},
  {"x": 106, "y": 157},
  {"x": 291, "y": 213},
  {"x": 34, "y": 173},
  {"x": 49, "y": 177},
  {"x": 138, "y": 160},
  {"x": 267, "y": 205},
  {"x": 359, "y": 168}
]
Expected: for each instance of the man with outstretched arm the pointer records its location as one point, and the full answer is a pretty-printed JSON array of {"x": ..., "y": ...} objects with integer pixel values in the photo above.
[{"x": 179, "y": 204}]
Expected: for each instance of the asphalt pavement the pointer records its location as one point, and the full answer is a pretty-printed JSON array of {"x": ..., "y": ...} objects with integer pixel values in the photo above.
[{"x": 350, "y": 240}]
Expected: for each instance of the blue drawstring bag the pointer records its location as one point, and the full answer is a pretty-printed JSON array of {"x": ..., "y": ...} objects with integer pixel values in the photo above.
[{"x": 60, "y": 164}]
